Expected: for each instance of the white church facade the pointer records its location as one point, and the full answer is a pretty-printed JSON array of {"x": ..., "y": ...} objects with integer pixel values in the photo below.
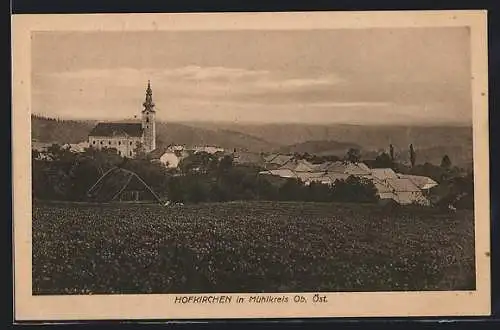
[{"x": 127, "y": 137}]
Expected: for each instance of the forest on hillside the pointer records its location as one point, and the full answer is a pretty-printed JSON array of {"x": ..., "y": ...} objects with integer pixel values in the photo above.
[{"x": 430, "y": 142}]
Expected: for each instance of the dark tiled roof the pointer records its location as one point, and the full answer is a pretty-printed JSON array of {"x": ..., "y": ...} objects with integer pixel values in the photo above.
[
  {"x": 158, "y": 152},
  {"x": 117, "y": 129}
]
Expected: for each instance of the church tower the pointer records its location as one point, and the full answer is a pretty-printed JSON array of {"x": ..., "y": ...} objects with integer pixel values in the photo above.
[{"x": 148, "y": 121}]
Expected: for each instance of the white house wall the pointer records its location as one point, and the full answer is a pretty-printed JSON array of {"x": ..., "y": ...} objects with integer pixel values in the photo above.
[
  {"x": 170, "y": 160},
  {"x": 125, "y": 146}
]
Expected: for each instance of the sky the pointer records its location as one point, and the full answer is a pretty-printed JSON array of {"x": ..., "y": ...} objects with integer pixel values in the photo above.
[{"x": 358, "y": 76}]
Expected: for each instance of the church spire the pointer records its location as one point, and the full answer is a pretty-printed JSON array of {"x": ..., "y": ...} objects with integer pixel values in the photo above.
[{"x": 148, "y": 103}]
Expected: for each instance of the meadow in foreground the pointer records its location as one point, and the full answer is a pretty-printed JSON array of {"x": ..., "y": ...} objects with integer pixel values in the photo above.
[{"x": 248, "y": 247}]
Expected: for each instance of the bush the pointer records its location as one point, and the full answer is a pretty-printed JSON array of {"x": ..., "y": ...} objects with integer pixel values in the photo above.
[{"x": 355, "y": 189}]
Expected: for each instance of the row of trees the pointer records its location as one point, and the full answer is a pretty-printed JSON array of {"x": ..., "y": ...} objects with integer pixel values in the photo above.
[
  {"x": 244, "y": 183},
  {"x": 68, "y": 175},
  {"x": 203, "y": 178},
  {"x": 388, "y": 160}
]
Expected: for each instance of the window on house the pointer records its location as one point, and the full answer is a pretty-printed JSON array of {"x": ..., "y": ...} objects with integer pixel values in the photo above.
[
  {"x": 131, "y": 153},
  {"x": 130, "y": 142},
  {"x": 120, "y": 153},
  {"x": 101, "y": 142},
  {"x": 109, "y": 143},
  {"x": 147, "y": 120},
  {"x": 93, "y": 142},
  {"x": 119, "y": 143}
]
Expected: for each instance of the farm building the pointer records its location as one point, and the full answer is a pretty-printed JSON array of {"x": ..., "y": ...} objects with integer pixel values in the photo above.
[
  {"x": 270, "y": 157},
  {"x": 383, "y": 173},
  {"x": 168, "y": 157},
  {"x": 282, "y": 172},
  {"x": 300, "y": 165},
  {"x": 403, "y": 189},
  {"x": 422, "y": 182},
  {"x": 329, "y": 178},
  {"x": 175, "y": 148},
  {"x": 208, "y": 149},
  {"x": 40, "y": 146},
  {"x": 308, "y": 177},
  {"x": 357, "y": 169},
  {"x": 119, "y": 184},
  {"x": 77, "y": 147},
  {"x": 39, "y": 150},
  {"x": 275, "y": 161},
  {"x": 248, "y": 158}
]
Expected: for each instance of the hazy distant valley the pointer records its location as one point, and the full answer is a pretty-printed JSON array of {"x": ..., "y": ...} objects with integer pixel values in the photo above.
[{"x": 431, "y": 143}]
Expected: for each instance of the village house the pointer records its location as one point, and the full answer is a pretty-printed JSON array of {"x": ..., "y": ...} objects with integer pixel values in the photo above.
[
  {"x": 176, "y": 148},
  {"x": 275, "y": 161},
  {"x": 169, "y": 157},
  {"x": 76, "y": 147},
  {"x": 39, "y": 150},
  {"x": 40, "y": 146},
  {"x": 248, "y": 158},
  {"x": 208, "y": 149},
  {"x": 401, "y": 188}
]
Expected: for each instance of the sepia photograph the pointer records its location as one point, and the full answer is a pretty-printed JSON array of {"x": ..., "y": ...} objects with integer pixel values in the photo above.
[{"x": 275, "y": 162}]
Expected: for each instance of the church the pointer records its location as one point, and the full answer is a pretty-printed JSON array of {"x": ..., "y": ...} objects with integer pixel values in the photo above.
[{"x": 127, "y": 137}]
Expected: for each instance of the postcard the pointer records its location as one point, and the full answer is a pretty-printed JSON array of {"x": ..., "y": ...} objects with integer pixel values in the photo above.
[{"x": 250, "y": 165}]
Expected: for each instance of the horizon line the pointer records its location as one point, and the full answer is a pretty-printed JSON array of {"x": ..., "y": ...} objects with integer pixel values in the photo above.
[{"x": 249, "y": 122}]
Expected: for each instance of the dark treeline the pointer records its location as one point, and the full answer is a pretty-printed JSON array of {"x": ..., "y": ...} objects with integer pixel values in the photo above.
[
  {"x": 57, "y": 119},
  {"x": 200, "y": 178},
  {"x": 244, "y": 183},
  {"x": 203, "y": 177},
  {"x": 54, "y": 129}
]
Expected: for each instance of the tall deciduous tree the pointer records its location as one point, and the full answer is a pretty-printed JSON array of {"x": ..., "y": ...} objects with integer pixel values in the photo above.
[
  {"x": 446, "y": 162},
  {"x": 413, "y": 156},
  {"x": 353, "y": 155},
  {"x": 383, "y": 161}
]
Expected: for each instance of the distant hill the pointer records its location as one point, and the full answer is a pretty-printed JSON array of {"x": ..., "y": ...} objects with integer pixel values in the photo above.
[
  {"x": 369, "y": 136},
  {"x": 319, "y": 148},
  {"x": 62, "y": 131},
  {"x": 71, "y": 131},
  {"x": 430, "y": 143},
  {"x": 174, "y": 133}
]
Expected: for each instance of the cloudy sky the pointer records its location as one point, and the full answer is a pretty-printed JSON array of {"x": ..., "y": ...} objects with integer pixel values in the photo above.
[{"x": 372, "y": 76}]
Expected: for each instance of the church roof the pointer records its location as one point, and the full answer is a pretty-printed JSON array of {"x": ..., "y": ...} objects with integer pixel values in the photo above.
[{"x": 117, "y": 129}]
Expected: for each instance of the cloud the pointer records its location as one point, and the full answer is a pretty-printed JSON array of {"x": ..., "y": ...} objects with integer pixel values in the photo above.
[
  {"x": 193, "y": 72},
  {"x": 257, "y": 78},
  {"x": 213, "y": 92},
  {"x": 350, "y": 104},
  {"x": 187, "y": 82}
]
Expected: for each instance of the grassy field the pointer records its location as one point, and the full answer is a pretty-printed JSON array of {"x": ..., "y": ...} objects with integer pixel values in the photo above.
[{"x": 248, "y": 247}]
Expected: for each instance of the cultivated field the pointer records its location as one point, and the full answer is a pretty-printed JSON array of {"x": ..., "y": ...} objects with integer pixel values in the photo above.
[{"x": 248, "y": 247}]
